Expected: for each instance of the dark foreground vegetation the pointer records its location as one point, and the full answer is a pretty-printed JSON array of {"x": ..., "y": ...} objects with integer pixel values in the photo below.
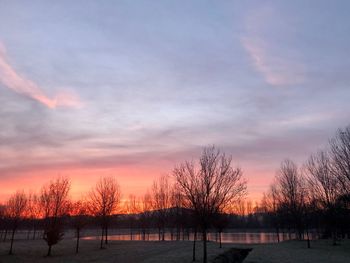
[
  {"x": 233, "y": 255},
  {"x": 207, "y": 195}
]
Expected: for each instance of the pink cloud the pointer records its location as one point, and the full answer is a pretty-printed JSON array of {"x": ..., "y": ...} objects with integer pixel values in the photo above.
[
  {"x": 277, "y": 64},
  {"x": 275, "y": 70},
  {"x": 13, "y": 80}
]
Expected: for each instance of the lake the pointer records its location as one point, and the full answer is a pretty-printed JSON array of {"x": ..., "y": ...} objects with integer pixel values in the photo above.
[{"x": 227, "y": 237}]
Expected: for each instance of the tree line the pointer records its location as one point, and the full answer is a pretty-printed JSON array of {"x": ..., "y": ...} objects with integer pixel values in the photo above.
[
  {"x": 314, "y": 195},
  {"x": 191, "y": 200},
  {"x": 207, "y": 194}
]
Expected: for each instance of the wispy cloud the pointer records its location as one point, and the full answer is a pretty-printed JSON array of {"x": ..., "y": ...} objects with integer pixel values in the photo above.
[
  {"x": 12, "y": 79},
  {"x": 275, "y": 70},
  {"x": 278, "y": 63}
]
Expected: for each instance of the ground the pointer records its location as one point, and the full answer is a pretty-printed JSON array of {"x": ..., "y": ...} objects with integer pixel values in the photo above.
[
  {"x": 321, "y": 251},
  {"x": 116, "y": 251},
  {"x": 172, "y": 251}
]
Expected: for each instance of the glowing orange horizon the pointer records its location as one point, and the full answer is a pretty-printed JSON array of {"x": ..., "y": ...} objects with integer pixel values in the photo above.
[{"x": 135, "y": 180}]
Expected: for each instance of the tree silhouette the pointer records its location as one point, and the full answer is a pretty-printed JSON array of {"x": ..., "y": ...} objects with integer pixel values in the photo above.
[
  {"x": 54, "y": 204},
  {"x": 325, "y": 188},
  {"x": 33, "y": 212},
  {"x": 220, "y": 222},
  {"x": 161, "y": 203},
  {"x": 292, "y": 193},
  {"x": 340, "y": 158},
  {"x": 78, "y": 212},
  {"x": 209, "y": 188},
  {"x": 145, "y": 217},
  {"x": 104, "y": 200},
  {"x": 15, "y": 211},
  {"x": 132, "y": 208}
]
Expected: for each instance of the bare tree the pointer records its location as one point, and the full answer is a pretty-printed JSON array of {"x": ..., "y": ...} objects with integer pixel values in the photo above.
[
  {"x": 132, "y": 208},
  {"x": 292, "y": 193},
  {"x": 176, "y": 204},
  {"x": 239, "y": 208},
  {"x": 272, "y": 203},
  {"x": 78, "y": 212},
  {"x": 54, "y": 204},
  {"x": 209, "y": 188},
  {"x": 161, "y": 203},
  {"x": 325, "y": 188},
  {"x": 145, "y": 217},
  {"x": 220, "y": 222},
  {"x": 104, "y": 201},
  {"x": 3, "y": 219},
  {"x": 33, "y": 212},
  {"x": 340, "y": 158},
  {"x": 15, "y": 210}
]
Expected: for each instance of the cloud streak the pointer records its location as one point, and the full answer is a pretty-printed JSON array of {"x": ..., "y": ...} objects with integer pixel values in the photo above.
[
  {"x": 13, "y": 80},
  {"x": 276, "y": 62},
  {"x": 276, "y": 71}
]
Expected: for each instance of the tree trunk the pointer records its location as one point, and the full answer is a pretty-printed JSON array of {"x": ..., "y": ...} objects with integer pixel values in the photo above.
[
  {"x": 205, "y": 245},
  {"x": 289, "y": 234},
  {"x": 102, "y": 237},
  {"x": 78, "y": 237},
  {"x": 334, "y": 234},
  {"x": 194, "y": 245},
  {"x": 5, "y": 235},
  {"x": 34, "y": 232},
  {"x": 106, "y": 235},
  {"x": 12, "y": 238},
  {"x": 49, "y": 251},
  {"x": 308, "y": 238},
  {"x": 278, "y": 234},
  {"x": 220, "y": 239}
]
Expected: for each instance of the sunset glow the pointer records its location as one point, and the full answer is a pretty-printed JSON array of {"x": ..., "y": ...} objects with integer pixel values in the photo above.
[{"x": 132, "y": 89}]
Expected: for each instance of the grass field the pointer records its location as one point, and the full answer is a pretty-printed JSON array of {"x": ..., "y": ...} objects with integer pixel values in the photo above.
[
  {"x": 173, "y": 251},
  {"x": 321, "y": 251},
  {"x": 115, "y": 251}
]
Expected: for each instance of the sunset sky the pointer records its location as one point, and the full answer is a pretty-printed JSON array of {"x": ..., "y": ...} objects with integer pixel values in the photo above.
[{"x": 130, "y": 88}]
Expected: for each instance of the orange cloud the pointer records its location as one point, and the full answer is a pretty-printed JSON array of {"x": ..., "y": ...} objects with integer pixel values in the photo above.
[{"x": 10, "y": 78}]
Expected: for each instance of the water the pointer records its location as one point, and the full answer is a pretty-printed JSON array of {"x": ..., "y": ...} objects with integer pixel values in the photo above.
[
  {"x": 249, "y": 237},
  {"x": 226, "y": 237}
]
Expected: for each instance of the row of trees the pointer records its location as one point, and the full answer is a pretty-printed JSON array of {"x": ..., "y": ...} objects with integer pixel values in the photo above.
[
  {"x": 198, "y": 196},
  {"x": 50, "y": 208},
  {"x": 194, "y": 197},
  {"x": 315, "y": 195}
]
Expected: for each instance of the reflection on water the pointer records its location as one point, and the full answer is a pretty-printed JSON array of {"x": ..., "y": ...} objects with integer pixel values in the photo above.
[
  {"x": 227, "y": 237},
  {"x": 248, "y": 238}
]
